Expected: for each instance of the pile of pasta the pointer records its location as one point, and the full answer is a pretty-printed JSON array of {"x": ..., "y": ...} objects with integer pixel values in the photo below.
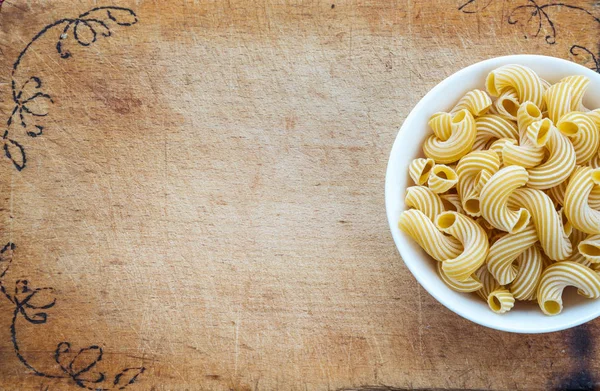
[{"x": 507, "y": 197}]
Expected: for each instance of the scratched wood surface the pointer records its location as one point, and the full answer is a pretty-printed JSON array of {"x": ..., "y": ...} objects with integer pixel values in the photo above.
[{"x": 206, "y": 197}]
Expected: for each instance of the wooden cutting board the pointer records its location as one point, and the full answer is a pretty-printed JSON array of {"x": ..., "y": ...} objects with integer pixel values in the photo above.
[{"x": 194, "y": 194}]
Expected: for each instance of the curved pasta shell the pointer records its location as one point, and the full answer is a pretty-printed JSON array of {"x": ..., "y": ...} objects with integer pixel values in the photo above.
[
  {"x": 473, "y": 239},
  {"x": 423, "y": 231},
  {"x": 442, "y": 178},
  {"x": 457, "y": 145},
  {"x": 529, "y": 265},
  {"x": 505, "y": 251},
  {"x": 489, "y": 284},
  {"x": 548, "y": 222},
  {"x": 501, "y": 301},
  {"x": 468, "y": 170},
  {"x": 452, "y": 202},
  {"x": 583, "y": 133},
  {"x": 441, "y": 124},
  {"x": 559, "y": 165},
  {"x": 579, "y": 85},
  {"x": 594, "y": 198},
  {"x": 507, "y": 105},
  {"x": 558, "y": 98},
  {"x": 494, "y": 199},
  {"x": 425, "y": 200},
  {"x": 590, "y": 248},
  {"x": 576, "y": 206},
  {"x": 498, "y": 147},
  {"x": 527, "y": 114},
  {"x": 528, "y": 85},
  {"x": 526, "y": 156},
  {"x": 577, "y": 237},
  {"x": 557, "y": 277},
  {"x": 420, "y": 169},
  {"x": 477, "y": 102},
  {"x": 471, "y": 284}
]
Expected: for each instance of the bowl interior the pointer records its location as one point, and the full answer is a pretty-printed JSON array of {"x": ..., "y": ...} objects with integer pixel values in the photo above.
[{"x": 525, "y": 317}]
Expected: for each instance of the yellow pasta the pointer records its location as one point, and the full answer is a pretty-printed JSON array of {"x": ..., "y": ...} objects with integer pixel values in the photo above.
[
  {"x": 420, "y": 169},
  {"x": 578, "y": 85},
  {"x": 452, "y": 202},
  {"x": 457, "y": 145},
  {"x": 507, "y": 199},
  {"x": 471, "y": 284},
  {"x": 559, "y": 99},
  {"x": 442, "y": 178},
  {"x": 529, "y": 265},
  {"x": 507, "y": 105},
  {"x": 576, "y": 206},
  {"x": 423, "y": 231},
  {"x": 473, "y": 239},
  {"x": 477, "y": 102},
  {"x": 582, "y": 131},
  {"x": 501, "y": 300},
  {"x": 425, "y": 200},
  {"x": 528, "y": 85},
  {"x": 505, "y": 251},
  {"x": 559, "y": 164},
  {"x": 590, "y": 248},
  {"x": 548, "y": 222},
  {"x": 488, "y": 283},
  {"x": 494, "y": 198},
  {"x": 557, "y": 277}
]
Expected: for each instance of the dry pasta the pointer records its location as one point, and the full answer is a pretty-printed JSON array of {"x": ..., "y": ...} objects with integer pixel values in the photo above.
[
  {"x": 507, "y": 197},
  {"x": 557, "y": 277}
]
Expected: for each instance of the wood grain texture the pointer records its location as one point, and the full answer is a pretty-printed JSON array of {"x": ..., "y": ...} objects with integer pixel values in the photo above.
[{"x": 207, "y": 197}]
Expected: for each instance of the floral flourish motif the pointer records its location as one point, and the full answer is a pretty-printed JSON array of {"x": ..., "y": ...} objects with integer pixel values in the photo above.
[
  {"x": 33, "y": 304},
  {"x": 532, "y": 13},
  {"x": 30, "y": 101}
]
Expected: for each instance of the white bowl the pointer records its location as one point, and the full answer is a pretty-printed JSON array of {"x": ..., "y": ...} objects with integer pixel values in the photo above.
[{"x": 524, "y": 317}]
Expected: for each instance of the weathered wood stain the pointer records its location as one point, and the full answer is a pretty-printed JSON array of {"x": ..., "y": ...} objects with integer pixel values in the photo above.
[{"x": 206, "y": 198}]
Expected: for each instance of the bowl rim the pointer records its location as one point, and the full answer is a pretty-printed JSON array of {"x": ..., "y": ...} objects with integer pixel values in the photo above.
[{"x": 396, "y": 148}]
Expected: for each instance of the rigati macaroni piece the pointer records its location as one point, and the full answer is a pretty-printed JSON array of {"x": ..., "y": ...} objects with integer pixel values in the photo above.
[
  {"x": 557, "y": 277},
  {"x": 577, "y": 209},
  {"x": 460, "y": 142},
  {"x": 507, "y": 197}
]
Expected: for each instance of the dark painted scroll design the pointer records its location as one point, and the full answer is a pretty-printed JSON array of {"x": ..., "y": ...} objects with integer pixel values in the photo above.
[
  {"x": 32, "y": 305},
  {"x": 31, "y": 101},
  {"x": 535, "y": 16}
]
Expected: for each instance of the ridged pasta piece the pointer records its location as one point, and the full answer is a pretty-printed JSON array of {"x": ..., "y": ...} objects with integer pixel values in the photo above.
[
  {"x": 481, "y": 179},
  {"x": 559, "y": 164},
  {"x": 468, "y": 169},
  {"x": 457, "y": 145},
  {"x": 488, "y": 283},
  {"x": 527, "y": 114},
  {"x": 494, "y": 198},
  {"x": 498, "y": 147},
  {"x": 451, "y": 202},
  {"x": 548, "y": 222},
  {"x": 505, "y": 251},
  {"x": 529, "y": 266},
  {"x": 528, "y": 85},
  {"x": 577, "y": 237},
  {"x": 501, "y": 301},
  {"x": 492, "y": 126},
  {"x": 579, "y": 85},
  {"x": 576, "y": 205},
  {"x": 425, "y": 200},
  {"x": 442, "y": 178},
  {"x": 567, "y": 226},
  {"x": 557, "y": 193},
  {"x": 595, "y": 116},
  {"x": 423, "y": 231},
  {"x": 590, "y": 248},
  {"x": 473, "y": 239},
  {"x": 582, "y": 131},
  {"x": 557, "y": 277},
  {"x": 441, "y": 124},
  {"x": 558, "y": 98},
  {"x": 526, "y": 156},
  {"x": 477, "y": 102},
  {"x": 506, "y": 105},
  {"x": 420, "y": 169},
  {"x": 471, "y": 284},
  {"x": 594, "y": 198},
  {"x": 595, "y": 162}
]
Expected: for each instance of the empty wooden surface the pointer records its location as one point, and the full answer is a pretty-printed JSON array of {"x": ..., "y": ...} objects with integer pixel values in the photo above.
[{"x": 206, "y": 198}]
